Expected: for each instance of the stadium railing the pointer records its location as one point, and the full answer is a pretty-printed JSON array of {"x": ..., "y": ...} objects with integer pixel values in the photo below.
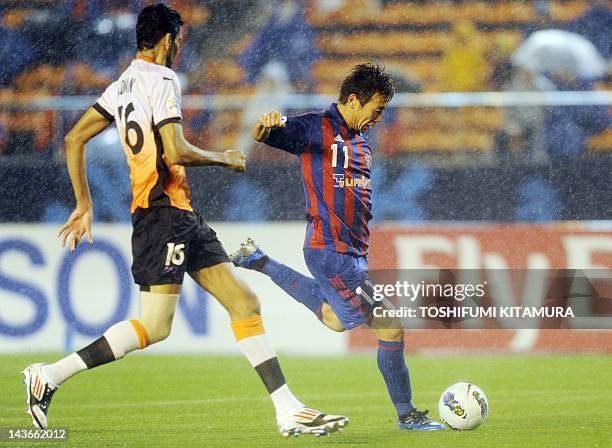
[{"x": 306, "y": 101}]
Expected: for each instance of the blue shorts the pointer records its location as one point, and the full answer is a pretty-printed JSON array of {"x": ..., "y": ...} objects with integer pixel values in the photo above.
[{"x": 338, "y": 276}]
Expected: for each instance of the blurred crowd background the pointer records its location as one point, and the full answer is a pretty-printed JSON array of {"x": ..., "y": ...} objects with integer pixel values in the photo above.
[{"x": 520, "y": 163}]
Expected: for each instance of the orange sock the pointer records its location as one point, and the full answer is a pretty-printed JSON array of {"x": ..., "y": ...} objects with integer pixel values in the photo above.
[
  {"x": 244, "y": 328},
  {"x": 141, "y": 332}
]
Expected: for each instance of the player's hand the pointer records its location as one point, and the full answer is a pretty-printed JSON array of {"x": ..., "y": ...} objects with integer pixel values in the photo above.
[
  {"x": 268, "y": 121},
  {"x": 235, "y": 160},
  {"x": 78, "y": 224}
]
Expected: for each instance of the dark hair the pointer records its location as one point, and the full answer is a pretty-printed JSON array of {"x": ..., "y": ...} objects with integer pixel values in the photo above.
[
  {"x": 364, "y": 81},
  {"x": 154, "y": 22}
]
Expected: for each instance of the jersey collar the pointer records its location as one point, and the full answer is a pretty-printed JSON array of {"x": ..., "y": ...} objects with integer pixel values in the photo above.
[
  {"x": 337, "y": 116},
  {"x": 167, "y": 71},
  {"x": 145, "y": 58}
]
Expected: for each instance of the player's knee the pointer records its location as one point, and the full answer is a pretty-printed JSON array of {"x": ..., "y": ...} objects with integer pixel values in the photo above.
[
  {"x": 157, "y": 313},
  {"x": 390, "y": 334},
  {"x": 157, "y": 330},
  {"x": 159, "y": 333}
]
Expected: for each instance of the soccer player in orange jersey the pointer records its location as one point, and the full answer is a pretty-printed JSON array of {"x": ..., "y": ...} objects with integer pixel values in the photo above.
[{"x": 169, "y": 239}]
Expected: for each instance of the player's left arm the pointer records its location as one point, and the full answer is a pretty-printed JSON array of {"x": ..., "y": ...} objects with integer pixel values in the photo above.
[
  {"x": 179, "y": 151},
  {"x": 79, "y": 223},
  {"x": 167, "y": 119}
]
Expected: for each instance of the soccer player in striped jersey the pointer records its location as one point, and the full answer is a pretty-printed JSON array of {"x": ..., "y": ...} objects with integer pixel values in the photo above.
[
  {"x": 336, "y": 160},
  {"x": 169, "y": 239}
]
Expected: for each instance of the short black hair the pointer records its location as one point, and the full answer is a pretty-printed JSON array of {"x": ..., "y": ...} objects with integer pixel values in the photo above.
[
  {"x": 154, "y": 22},
  {"x": 364, "y": 81}
]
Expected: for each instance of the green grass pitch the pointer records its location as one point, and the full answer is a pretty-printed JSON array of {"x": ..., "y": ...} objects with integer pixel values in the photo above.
[{"x": 216, "y": 401}]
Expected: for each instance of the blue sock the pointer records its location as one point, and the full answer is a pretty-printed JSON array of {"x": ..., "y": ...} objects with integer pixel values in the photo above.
[
  {"x": 392, "y": 365},
  {"x": 303, "y": 289}
]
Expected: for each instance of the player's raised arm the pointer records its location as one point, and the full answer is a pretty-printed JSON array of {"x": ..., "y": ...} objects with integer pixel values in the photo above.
[
  {"x": 79, "y": 222},
  {"x": 289, "y": 134},
  {"x": 268, "y": 121},
  {"x": 179, "y": 151}
]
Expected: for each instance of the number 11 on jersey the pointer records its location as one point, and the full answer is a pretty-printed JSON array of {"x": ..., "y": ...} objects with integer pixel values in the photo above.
[{"x": 334, "y": 149}]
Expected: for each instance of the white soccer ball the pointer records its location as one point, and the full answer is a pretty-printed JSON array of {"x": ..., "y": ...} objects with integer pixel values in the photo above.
[{"x": 463, "y": 406}]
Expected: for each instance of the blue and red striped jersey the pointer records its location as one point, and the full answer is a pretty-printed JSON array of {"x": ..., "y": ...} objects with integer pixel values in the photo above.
[{"x": 336, "y": 163}]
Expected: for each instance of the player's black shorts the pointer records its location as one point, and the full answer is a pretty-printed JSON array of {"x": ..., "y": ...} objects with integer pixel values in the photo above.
[{"x": 167, "y": 242}]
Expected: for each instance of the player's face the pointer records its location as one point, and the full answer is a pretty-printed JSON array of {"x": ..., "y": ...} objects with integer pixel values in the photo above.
[
  {"x": 370, "y": 114},
  {"x": 173, "y": 51}
]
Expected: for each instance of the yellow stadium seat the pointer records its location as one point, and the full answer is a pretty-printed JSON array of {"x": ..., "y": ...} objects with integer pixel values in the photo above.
[
  {"x": 418, "y": 14},
  {"x": 482, "y": 118},
  {"x": 499, "y": 13},
  {"x": 565, "y": 11},
  {"x": 422, "y": 141},
  {"x": 601, "y": 142},
  {"x": 355, "y": 13},
  {"x": 381, "y": 43}
]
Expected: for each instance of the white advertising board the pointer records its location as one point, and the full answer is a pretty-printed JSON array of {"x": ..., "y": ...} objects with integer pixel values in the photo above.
[{"x": 52, "y": 300}]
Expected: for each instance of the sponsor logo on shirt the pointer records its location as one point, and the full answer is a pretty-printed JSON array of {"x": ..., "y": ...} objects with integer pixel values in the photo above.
[
  {"x": 172, "y": 105},
  {"x": 341, "y": 181}
]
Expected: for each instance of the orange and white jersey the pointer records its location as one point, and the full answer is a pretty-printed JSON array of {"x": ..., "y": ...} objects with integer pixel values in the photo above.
[{"x": 146, "y": 97}]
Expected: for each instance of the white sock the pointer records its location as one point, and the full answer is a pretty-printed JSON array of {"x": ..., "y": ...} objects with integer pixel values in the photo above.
[
  {"x": 63, "y": 369},
  {"x": 258, "y": 351},
  {"x": 284, "y": 401},
  {"x": 122, "y": 338}
]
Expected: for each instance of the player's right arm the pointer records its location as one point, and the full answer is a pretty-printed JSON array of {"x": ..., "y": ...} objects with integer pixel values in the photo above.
[
  {"x": 265, "y": 124},
  {"x": 79, "y": 223},
  {"x": 289, "y": 134},
  {"x": 179, "y": 151}
]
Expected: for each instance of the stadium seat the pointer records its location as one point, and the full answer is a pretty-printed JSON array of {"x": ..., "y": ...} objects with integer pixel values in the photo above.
[
  {"x": 482, "y": 118},
  {"x": 465, "y": 118},
  {"x": 429, "y": 140},
  {"x": 224, "y": 128},
  {"x": 565, "y": 11},
  {"x": 332, "y": 70},
  {"x": 239, "y": 46},
  {"x": 383, "y": 43},
  {"x": 360, "y": 12},
  {"x": 413, "y": 54},
  {"x": 226, "y": 71},
  {"x": 512, "y": 12},
  {"x": 601, "y": 142},
  {"x": 224, "y": 76},
  {"x": 416, "y": 14},
  {"x": 364, "y": 12}
]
